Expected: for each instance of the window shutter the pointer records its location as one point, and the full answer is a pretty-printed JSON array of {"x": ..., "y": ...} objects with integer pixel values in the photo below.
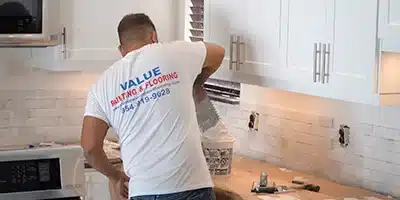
[{"x": 196, "y": 28}]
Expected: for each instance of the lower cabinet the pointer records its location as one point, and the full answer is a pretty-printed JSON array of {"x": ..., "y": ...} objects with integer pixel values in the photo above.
[{"x": 96, "y": 186}]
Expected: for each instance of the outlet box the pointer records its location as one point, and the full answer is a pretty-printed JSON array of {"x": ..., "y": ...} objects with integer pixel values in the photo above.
[{"x": 254, "y": 121}]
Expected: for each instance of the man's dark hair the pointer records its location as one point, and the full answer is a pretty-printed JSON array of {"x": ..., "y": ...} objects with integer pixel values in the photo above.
[{"x": 135, "y": 28}]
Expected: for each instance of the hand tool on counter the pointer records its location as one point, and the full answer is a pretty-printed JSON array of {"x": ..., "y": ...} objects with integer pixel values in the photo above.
[{"x": 263, "y": 187}]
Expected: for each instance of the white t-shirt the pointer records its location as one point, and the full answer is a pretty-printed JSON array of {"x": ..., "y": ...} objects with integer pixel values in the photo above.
[{"x": 146, "y": 97}]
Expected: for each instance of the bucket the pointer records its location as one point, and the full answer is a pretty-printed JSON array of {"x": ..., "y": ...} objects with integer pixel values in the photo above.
[{"x": 219, "y": 154}]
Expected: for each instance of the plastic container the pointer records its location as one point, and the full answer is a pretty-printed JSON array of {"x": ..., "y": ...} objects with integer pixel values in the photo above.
[{"x": 219, "y": 153}]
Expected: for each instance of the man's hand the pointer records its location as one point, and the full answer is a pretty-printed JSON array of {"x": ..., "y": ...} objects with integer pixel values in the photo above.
[
  {"x": 120, "y": 185},
  {"x": 198, "y": 93}
]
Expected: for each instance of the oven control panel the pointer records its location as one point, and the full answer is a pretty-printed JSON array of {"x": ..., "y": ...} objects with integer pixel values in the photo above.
[{"x": 30, "y": 175}]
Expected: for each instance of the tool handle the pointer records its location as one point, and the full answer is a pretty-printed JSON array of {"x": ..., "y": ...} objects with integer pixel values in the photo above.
[
  {"x": 268, "y": 190},
  {"x": 311, "y": 187}
]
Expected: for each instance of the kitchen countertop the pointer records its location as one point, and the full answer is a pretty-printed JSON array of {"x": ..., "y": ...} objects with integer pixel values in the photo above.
[{"x": 245, "y": 171}]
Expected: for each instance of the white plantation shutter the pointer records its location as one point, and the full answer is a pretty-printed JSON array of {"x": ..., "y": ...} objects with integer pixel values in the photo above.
[{"x": 196, "y": 28}]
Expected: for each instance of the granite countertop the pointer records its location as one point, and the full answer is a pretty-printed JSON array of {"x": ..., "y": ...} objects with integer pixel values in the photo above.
[{"x": 245, "y": 171}]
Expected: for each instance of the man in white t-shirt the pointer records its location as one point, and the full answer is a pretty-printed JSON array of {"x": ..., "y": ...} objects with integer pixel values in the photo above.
[{"x": 146, "y": 97}]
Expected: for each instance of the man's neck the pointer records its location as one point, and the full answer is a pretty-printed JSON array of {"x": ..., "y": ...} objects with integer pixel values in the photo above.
[{"x": 134, "y": 47}]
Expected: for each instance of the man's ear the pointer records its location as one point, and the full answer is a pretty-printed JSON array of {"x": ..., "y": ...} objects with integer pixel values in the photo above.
[
  {"x": 121, "y": 50},
  {"x": 154, "y": 37}
]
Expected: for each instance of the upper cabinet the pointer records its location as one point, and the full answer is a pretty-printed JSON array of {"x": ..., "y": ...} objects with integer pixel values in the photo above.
[
  {"x": 326, "y": 48},
  {"x": 90, "y": 39},
  {"x": 389, "y": 18},
  {"x": 250, "y": 31},
  {"x": 389, "y": 25},
  {"x": 354, "y": 52},
  {"x": 332, "y": 48},
  {"x": 91, "y": 25}
]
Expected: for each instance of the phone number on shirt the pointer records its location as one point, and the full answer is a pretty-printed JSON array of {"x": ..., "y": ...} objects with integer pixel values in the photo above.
[{"x": 147, "y": 98}]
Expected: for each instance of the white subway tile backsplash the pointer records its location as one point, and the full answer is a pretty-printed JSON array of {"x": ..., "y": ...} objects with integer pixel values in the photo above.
[
  {"x": 28, "y": 116},
  {"x": 71, "y": 120},
  {"x": 45, "y": 94},
  {"x": 309, "y": 142},
  {"x": 71, "y": 103},
  {"x": 30, "y": 103},
  {"x": 60, "y": 134},
  {"x": 34, "y": 113}
]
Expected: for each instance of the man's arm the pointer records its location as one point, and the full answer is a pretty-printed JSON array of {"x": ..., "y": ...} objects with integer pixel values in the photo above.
[
  {"x": 214, "y": 57},
  {"x": 95, "y": 126},
  {"x": 93, "y": 133}
]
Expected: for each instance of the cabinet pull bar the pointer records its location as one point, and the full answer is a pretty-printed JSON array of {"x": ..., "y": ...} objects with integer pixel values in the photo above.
[
  {"x": 64, "y": 43},
  {"x": 323, "y": 62},
  {"x": 241, "y": 50},
  {"x": 328, "y": 55},
  {"x": 238, "y": 59},
  {"x": 231, "y": 61},
  {"x": 317, "y": 60}
]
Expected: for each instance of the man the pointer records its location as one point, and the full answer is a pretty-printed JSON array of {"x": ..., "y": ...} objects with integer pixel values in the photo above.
[{"x": 146, "y": 97}]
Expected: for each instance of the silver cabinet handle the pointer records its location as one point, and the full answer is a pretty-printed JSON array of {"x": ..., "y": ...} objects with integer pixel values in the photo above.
[
  {"x": 328, "y": 60},
  {"x": 233, "y": 41},
  {"x": 323, "y": 62},
  {"x": 239, "y": 43},
  {"x": 64, "y": 43},
  {"x": 238, "y": 53},
  {"x": 317, "y": 62}
]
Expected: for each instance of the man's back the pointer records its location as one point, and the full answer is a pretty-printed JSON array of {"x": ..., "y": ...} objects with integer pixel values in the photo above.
[{"x": 147, "y": 99}]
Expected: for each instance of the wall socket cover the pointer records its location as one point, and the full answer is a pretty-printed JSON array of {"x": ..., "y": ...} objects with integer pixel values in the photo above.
[{"x": 344, "y": 135}]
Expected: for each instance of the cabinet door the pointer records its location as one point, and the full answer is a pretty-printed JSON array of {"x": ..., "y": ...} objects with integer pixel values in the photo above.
[
  {"x": 389, "y": 19},
  {"x": 262, "y": 53},
  {"x": 223, "y": 19},
  {"x": 305, "y": 25},
  {"x": 91, "y": 25},
  {"x": 354, "y": 53}
]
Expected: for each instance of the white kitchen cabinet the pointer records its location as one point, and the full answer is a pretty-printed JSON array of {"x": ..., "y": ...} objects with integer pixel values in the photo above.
[
  {"x": 389, "y": 19},
  {"x": 96, "y": 186},
  {"x": 91, "y": 38},
  {"x": 325, "y": 48},
  {"x": 250, "y": 33},
  {"x": 355, "y": 58},
  {"x": 389, "y": 25},
  {"x": 307, "y": 27},
  {"x": 91, "y": 25},
  {"x": 332, "y": 48}
]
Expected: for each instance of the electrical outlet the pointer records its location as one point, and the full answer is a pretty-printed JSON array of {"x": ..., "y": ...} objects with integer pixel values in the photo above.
[
  {"x": 254, "y": 121},
  {"x": 344, "y": 135}
]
